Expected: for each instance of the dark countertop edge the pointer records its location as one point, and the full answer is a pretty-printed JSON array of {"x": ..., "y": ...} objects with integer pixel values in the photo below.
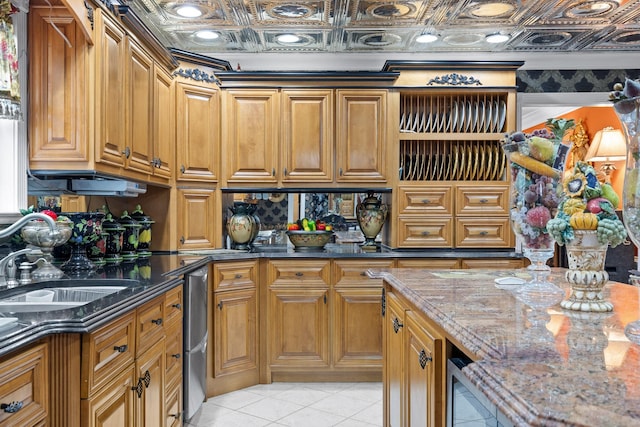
[{"x": 87, "y": 324}]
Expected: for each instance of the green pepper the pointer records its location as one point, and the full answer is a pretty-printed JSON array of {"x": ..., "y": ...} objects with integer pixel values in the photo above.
[{"x": 312, "y": 225}]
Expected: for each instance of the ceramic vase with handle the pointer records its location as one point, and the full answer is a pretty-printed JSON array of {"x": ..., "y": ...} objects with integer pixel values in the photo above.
[
  {"x": 241, "y": 226},
  {"x": 371, "y": 214}
]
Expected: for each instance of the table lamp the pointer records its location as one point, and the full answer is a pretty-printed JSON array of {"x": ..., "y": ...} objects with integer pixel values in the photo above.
[{"x": 608, "y": 146}]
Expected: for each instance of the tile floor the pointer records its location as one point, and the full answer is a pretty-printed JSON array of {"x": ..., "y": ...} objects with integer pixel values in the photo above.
[{"x": 295, "y": 404}]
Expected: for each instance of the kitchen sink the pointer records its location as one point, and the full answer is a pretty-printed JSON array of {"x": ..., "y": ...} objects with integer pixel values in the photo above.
[{"x": 56, "y": 298}]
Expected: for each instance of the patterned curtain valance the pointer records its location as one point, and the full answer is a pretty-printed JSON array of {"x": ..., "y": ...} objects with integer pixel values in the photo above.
[{"x": 9, "y": 85}]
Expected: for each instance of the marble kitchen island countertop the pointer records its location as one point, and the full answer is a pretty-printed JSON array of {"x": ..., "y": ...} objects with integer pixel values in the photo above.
[{"x": 541, "y": 366}]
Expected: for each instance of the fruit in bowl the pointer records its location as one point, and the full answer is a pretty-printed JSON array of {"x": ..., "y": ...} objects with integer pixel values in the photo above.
[{"x": 309, "y": 240}]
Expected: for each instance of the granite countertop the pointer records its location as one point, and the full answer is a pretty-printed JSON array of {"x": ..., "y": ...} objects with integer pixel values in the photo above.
[{"x": 543, "y": 366}]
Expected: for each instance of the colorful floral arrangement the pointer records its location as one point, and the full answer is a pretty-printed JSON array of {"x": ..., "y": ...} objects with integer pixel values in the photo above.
[
  {"x": 537, "y": 161},
  {"x": 587, "y": 205}
]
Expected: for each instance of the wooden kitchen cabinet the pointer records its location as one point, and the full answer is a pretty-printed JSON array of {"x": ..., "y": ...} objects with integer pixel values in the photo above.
[
  {"x": 357, "y": 322},
  {"x": 250, "y": 138},
  {"x": 413, "y": 384},
  {"x": 129, "y": 374},
  {"x": 198, "y": 132},
  {"x": 24, "y": 382},
  {"x": 361, "y": 136},
  {"x": 233, "y": 326},
  {"x": 307, "y": 136},
  {"x": 196, "y": 218},
  {"x": 298, "y": 316},
  {"x": 164, "y": 124},
  {"x": 111, "y": 121}
]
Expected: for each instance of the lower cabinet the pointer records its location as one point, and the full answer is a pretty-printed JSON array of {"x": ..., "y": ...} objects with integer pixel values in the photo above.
[
  {"x": 413, "y": 359},
  {"x": 324, "y": 320},
  {"x": 233, "y": 327},
  {"x": 24, "y": 380},
  {"x": 131, "y": 368}
]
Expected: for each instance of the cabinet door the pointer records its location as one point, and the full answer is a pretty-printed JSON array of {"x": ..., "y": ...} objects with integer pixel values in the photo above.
[
  {"x": 196, "y": 209},
  {"x": 111, "y": 52},
  {"x": 298, "y": 324},
  {"x": 357, "y": 330},
  {"x": 393, "y": 359},
  {"x": 24, "y": 380},
  {"x": 140, "y": 87},
  {"x": 251, "y": 135},
  {"x": 58, "y": 91},
  {"x": 420, "y": 363},
  {"x": 150, "y": 373},
  {"x": 198, "y": 127},
  {"x": 114, "y": 404},
  {"x": 307, "y": 135},
  {"x": 235, "y": 343},
  {"x": 361, "y": 135},
  {"x": 174, "y": 406},
  {"x": 164, "y": 125}
]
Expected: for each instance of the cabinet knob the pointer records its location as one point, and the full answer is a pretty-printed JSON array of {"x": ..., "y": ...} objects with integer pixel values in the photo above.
[
  {"x": 425, "y": 233},
  {"x": 426, "y": 201},
  {"x": 273, "y": 172},
  {"x": 285, "y": 171},
  {"x": 176, "y": 416},
  {"x": 182, "y": 240},
  {"x": 157, "y": 321},
  {"x": 423, "y": 359},
  {"x": 127, "y": 152},
  {"x": 120, "y": 348},
  {"x": 340, "y": 172},
  {"x": 220, "y": 305},
  {"x": 299, "y": 274},
  {"x": 182, "y": 169},
  {"x": 12, "y": 408},
  {"x": 238, "y": 276},
  {"x": 483, "y": 201},
  {"x": 176, "y": 356},
  {"x": 484, "y": 233},
  {"x": 177, "y": 306}
]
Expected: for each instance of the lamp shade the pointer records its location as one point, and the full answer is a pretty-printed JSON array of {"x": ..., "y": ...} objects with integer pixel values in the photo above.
[{"x": 608, "y": 145}]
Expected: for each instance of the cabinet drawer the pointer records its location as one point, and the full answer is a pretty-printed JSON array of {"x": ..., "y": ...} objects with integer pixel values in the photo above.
[
  {"x": 173, "y": 305},
  {"x": 483, "y": 233},
  {"x": 173, "y": 354},
  {"x": 173, "y": 406},
  {"x": 425, "y": 232},
  {"x": 106, "y": 352},
  {"x": 24, "y": 380},
  {"x": 236, "y": 275},
  {"x": 486, "y": 200},
  {"x": 353, "y": 273},
  {"x": 298, "y": 273},
  {"x": 424, "y": 200},
  {"x": 506, "y": 264},
  {"x": 430, "y": 263},
  {"x": 149, "y": 328}
]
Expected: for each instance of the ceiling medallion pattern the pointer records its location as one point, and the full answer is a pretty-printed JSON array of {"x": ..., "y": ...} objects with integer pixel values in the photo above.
[
  {"x": 394, "y": 25},
  {"x": 454, "y": 79}
]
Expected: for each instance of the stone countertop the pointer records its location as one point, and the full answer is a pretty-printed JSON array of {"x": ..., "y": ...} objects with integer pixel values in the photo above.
[{"x": 540, "y": 366}]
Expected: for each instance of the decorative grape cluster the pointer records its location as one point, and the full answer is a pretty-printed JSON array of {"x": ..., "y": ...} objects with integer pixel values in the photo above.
[{"x": 587, "y": 205}]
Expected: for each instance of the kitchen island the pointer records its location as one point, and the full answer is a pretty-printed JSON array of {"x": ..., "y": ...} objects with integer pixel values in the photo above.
[{"x": 539, "y": 365}]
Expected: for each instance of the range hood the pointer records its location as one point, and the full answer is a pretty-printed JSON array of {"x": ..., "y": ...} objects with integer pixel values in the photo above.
[{"x": 84, "y": 186}]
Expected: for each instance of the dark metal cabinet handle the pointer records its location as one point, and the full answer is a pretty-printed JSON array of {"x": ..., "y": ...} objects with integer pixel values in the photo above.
[
  {"x": 363, "y": 273},
  {"x": 146, "y": 379},
  {"x": 138, "y": 388},
  {"x": 182, "y": 240},
  {"x": 484, "y": 233},
  {"x": 285, "y": 171},
  {"x": 340, "y": 171},
  {"x": 273, "y": 172},
  {"x": 220, "y": 305},
  {"x": 425, "y": 233},
  {"x": 176, "y": 416},
  {"x": 11, "y": 408},
  {"x": 325, "y": 298},
  {"x": 120, "y": 348},
  {"x": 299, "y": 274},
  {"x": 383, "y": 302},
  {"x": 177, "y": 306},
  {"x": 238, "y": 276},
  {"x": 127, "y": 152},
  {"x": 182, "y": 169},
  {"x": 423, "y": 359},
  {"x": 176, "y": 356},
  {"x": 157, "y": 321},
  {"x": 426, "y": 201},
  {"x": 483, "y": 201},
  {"x": 397, "y": 325}
]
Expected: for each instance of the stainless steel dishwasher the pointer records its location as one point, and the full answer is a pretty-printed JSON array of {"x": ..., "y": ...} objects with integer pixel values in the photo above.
[{"x": 195, "y": 341}]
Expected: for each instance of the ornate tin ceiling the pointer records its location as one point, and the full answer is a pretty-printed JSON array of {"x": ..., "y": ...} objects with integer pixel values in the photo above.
[{"x": 244, "y": 26}]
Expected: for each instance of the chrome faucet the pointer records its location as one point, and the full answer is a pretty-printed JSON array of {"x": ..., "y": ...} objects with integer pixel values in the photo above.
[{"x": 8, "y": 266}]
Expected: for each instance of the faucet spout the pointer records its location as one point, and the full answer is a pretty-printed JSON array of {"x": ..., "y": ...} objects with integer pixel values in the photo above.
[{"x": 6, "y": 232}]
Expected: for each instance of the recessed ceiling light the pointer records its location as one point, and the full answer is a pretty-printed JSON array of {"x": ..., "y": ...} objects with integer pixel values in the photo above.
[
  {"x": 207, "y": 35},
  {"x": 497, "y": 38},
  {"x": 426, "y": 38},
  {"x": 288, "y": 38},
  {"x": 188, "y": 11}
]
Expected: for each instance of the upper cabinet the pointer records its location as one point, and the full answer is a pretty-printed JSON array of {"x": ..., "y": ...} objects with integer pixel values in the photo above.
[
  {"x": 361, "y": 136},
  {"x": 106, "y": 107},
  {"x": 304, "y": 136}
]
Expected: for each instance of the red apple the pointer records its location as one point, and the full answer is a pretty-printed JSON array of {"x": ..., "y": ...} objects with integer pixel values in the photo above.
[{"x": 595, "y": 205}]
